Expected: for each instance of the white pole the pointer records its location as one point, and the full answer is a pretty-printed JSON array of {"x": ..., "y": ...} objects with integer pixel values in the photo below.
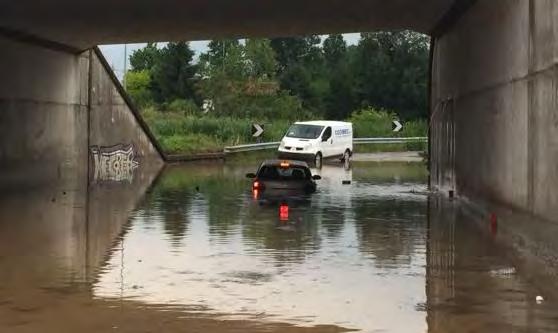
[{"x": 125, "y": 65}]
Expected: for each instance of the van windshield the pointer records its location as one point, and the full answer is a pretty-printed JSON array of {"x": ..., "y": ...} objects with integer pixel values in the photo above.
[{"x": 302, "y": 131}]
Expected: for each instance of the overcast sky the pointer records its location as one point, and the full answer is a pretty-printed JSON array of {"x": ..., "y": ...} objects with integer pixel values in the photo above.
[{"x": 115, "y": 53}]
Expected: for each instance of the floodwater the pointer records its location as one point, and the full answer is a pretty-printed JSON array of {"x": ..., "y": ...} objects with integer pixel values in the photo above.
[{"x": 192, "y": 250}]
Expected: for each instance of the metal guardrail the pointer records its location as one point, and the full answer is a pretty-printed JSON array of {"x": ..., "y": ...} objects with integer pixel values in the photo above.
[
  {"x": 251, "y": 147},
  {"x": 358, "y": 141}
]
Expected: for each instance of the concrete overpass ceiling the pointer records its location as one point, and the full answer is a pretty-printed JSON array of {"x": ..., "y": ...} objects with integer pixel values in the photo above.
[{"x": 82, "y": 24}]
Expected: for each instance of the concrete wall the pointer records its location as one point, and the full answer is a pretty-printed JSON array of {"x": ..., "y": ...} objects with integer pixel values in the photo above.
[
  {"x": 43, "y": 114},
  {"x": 83, "y": 24},
  {"x": 59, "y": 109},
  {"x": 111, "y": 120},
  {"x": 494, "y": 119}
]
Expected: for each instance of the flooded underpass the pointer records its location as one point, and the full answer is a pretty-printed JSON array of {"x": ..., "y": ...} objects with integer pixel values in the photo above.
[{"x": 192, "y": 249}]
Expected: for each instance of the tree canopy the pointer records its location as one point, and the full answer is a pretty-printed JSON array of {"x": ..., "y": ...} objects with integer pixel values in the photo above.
[{"x": 289, "y": 77}]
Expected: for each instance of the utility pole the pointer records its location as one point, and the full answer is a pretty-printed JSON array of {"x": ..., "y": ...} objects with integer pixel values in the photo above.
[
  {"x": 223, "y": 65},
  {"x": 125, "y": 65}
]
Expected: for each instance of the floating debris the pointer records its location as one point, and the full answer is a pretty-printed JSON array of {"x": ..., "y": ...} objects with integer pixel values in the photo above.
[{"x": 503, "y": 272}]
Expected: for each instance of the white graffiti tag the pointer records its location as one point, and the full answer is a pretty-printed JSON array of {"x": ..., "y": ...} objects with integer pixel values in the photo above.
[{"x": 113, "y": 163}]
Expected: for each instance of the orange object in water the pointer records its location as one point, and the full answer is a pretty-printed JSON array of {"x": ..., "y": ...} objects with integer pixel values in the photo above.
[{"x": 284, "y": 212}]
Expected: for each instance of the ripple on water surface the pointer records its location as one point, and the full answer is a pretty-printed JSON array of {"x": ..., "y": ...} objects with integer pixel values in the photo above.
[{"x": 377, "y": 254}]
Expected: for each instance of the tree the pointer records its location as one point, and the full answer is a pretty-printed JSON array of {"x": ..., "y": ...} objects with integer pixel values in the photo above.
[
  {"x": 224, "y": 56},
  {"x": 335, "y": 48},
  {"x": 342, "y": 100},
  {"x": 293, "y": 50},
  {"x": 288, "y": 51},
  {"x": 390, "y": 70},
  {"x": 240, "y": 81},
  {"x": 145, "y": 58},
  {"x": 301, "y": 69},
  {"x": 173, "y": 74},
  {"x": 386, "y": 70},
  {"x": 138, "y": 86},
  {"x": 223, "y": 71},
  {"x": 260, "y": 58}
]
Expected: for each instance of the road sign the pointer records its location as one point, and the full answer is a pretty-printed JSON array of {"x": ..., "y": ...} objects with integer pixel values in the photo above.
[
  {"x": 396, "y": 126},
  {"x": 257, "y": 130}
]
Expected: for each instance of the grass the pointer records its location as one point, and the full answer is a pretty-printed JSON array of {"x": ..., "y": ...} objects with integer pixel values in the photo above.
[
  {"x": 369, "y": 123},
  {"x": 181, "y": 133},
  {"x": 189, "y": 134},
  {"x": 190, "y": 143}
]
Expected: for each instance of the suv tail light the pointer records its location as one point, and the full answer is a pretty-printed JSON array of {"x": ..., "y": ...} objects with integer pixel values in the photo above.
[{"x": 257, "y": 185}]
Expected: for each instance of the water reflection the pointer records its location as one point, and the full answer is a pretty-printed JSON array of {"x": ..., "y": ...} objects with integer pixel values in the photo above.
[
  {"x": 60, "y": 234},
  {"x": 54, "y": 239},
  {"x": 377, "y": 254},
  {"x": 239, "y": 257},
  {"x": 471, "y": 287}
]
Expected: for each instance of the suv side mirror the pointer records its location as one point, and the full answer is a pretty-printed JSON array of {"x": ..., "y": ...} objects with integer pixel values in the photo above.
[
  {"x": 251, "y": 175},
  {"x": 316, "y": 177}
]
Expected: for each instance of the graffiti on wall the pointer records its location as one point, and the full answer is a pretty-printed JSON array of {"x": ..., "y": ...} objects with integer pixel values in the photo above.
[{"x": 115, "y": 163}]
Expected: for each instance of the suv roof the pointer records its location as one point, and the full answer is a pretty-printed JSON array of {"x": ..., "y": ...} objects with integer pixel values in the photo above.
[{"x": 291, "y": 162}]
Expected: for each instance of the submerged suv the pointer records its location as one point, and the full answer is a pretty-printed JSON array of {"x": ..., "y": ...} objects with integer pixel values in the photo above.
[{"x": 279, "y": 176}]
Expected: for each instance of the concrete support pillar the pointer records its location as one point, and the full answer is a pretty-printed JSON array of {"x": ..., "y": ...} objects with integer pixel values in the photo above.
[
  {"x": 64, "y": 116},
  {"x": 494, "y": 118},
  {"x": 68, "y": 179},
  {"x": 43, "y": 114}
]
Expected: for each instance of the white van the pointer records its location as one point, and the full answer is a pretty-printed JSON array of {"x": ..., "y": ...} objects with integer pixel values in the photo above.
[{"x": 316, "y": 140}]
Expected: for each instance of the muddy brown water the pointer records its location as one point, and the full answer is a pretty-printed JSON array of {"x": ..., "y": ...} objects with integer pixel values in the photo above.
[{"x": 192, "y": 250}]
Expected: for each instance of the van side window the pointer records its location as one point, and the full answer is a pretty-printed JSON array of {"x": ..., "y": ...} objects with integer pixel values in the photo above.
[{"x": 327, "y": 134}]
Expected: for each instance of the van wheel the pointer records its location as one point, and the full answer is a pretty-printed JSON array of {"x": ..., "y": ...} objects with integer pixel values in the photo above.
[{"x": 318, "y": 160}]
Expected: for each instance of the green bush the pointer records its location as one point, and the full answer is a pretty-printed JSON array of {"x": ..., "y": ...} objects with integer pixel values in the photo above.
[
  {"x": 370, "y": 123},
  {"x": 180, "y": 133},
  {"x": 138, "y": 87},
  {"x": 183, "y": 106},
  {"x": 175, "y": 131},
  {"x": 416, "y": 128}
]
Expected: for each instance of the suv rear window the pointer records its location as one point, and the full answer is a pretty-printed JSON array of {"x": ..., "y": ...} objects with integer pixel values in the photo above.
[{"x": 272, "y": 172}]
